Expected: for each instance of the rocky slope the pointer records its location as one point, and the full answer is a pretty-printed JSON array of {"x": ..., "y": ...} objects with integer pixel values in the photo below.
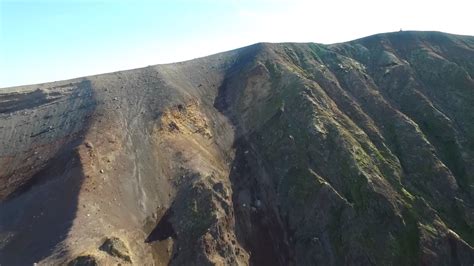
[{"x": 359, "y": 153}]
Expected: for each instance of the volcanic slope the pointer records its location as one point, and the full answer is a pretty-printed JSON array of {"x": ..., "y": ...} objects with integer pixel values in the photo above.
[{"x": 358, "y": 153}]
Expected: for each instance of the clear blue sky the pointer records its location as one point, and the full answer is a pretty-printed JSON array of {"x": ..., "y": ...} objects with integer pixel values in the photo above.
[{"x": 47, "y": 40}]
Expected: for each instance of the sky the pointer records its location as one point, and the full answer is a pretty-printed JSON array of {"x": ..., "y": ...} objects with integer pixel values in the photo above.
[{"x": 49, "y": 40}]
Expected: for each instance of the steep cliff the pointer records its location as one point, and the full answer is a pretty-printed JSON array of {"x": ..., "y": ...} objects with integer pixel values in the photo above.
[{"x": 355, "y": 153}]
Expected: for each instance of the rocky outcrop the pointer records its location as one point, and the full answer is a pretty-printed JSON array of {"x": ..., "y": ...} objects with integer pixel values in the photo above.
[
  {"x": 356, "y": 153},
  {"x": 115, "y": 247},
  {"x": 83, "y": 261}
]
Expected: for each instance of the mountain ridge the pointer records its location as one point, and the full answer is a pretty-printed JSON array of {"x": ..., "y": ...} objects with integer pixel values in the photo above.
[
  {"x": 415, "y": 32},
  {"x": 272, "y": 154}
]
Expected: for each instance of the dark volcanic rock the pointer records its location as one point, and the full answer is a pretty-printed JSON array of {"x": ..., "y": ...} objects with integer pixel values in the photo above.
[
  {"x": 83, "y": 261},
  {"x": 115, "y": 247},
  {"x": 358, "y": 153}
]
